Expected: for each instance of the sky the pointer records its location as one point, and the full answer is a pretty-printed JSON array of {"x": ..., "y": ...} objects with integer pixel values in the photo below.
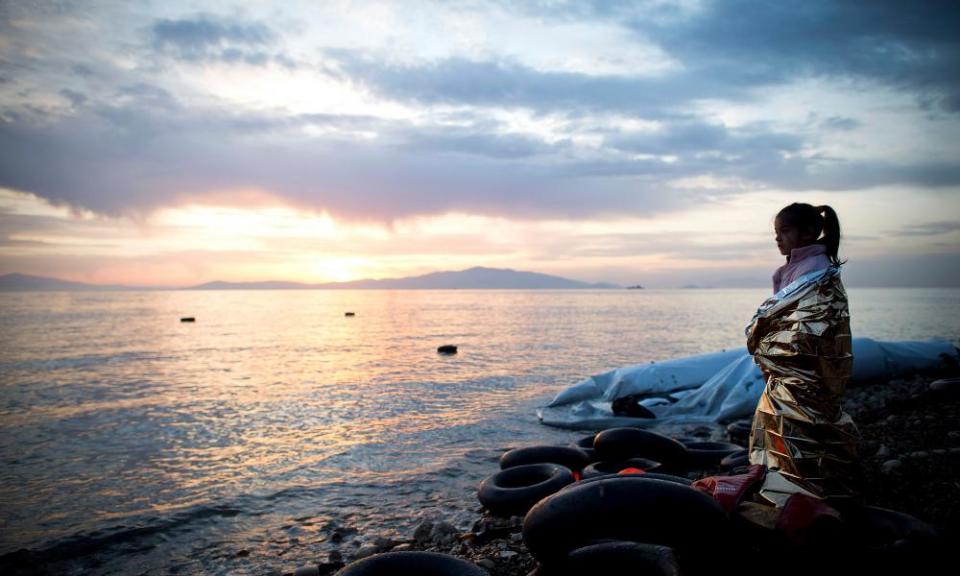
[{"x": 653, "y": 142}]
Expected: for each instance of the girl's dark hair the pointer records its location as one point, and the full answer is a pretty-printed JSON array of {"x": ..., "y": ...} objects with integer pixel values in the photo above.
[{"x": 819, "y": 220}]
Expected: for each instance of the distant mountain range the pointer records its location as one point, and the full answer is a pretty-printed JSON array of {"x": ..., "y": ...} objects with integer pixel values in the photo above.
[
  {"x": 24, "y": 283},
  {"x": 471, "y": 279}
]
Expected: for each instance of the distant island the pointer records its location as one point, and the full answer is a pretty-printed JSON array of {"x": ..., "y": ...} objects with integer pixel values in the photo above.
[{"x": 477, "y": 278}]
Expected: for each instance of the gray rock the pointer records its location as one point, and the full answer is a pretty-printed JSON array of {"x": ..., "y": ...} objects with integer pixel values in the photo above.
[
  {"x": 384, "y": 543},
  {"x": 365, "y": 551},
  {"x": 403, "y": 547},
  {"x": 890, "y": 465},
  {"x": 882, "y": 451},
  {"x": 953, "y": 434},
  {"x": 422, "y": 532},
  {"x": 507, "y": 554},
  {"x": 335, "y": 557},
  {"x": 486, "y": 564},
  {"x": 443, "y": 533}
]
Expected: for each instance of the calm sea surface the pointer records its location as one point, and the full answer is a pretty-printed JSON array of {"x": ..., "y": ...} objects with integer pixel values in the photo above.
[{"x": 133, "y": 443}]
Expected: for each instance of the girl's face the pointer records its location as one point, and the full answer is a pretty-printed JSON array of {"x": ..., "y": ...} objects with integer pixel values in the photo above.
[{"x": 789, "y": 237}]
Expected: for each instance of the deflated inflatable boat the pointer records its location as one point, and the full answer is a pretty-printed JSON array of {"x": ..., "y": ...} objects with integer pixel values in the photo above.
[{"x": 722, "y": 386}]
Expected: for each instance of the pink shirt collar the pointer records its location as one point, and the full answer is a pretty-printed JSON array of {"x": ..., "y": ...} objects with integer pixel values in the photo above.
[{"x": 798, "y": 254}]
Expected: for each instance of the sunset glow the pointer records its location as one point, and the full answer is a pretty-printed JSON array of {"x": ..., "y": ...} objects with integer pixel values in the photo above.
[{"x": 334, "y": 141}]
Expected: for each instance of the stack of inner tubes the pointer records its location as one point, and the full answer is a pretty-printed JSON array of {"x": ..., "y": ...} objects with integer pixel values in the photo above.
[
  {"x": 419, "y": 563},
  {"x": 618, "y": 444},
  {"x": 513, "y": 491},
  {"x": 572, "y": 458},
  {"x": 631, "y": 509},
  {"x": 528, "y": 475}
]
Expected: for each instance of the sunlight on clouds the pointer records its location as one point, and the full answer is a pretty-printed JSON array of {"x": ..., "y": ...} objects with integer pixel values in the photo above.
[
  {"x": 270, "y": 241},
  {"x": 296, "y": 91}
]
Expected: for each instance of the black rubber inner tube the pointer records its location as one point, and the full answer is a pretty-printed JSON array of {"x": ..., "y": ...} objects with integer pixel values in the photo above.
[
  {"x": 615, "y": 558},
  {"x": 586, "y": 441},
  {"x": 635, "y": 509},
  {"x": 740, "y": 428},
  {"x": 648, "y": 475},
  {"x": 709, "y": 454},
  {"x": 618, "y": 444},
  {"x": 736, "y": 460},
  {"x": 572, "y": 458},
  {"x": 513, "y": 491},
  {"x": 605, "y": 468},
  {"x": 414, "y": 563}
]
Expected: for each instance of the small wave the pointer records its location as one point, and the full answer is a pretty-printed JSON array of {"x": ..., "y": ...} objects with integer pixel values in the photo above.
[
  {"x": 88, "y": 361},
  {"x": 130, "y": 537}
]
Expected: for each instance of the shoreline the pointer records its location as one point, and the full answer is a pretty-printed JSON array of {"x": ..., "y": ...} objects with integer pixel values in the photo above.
[{"x": 909, "y": 452}]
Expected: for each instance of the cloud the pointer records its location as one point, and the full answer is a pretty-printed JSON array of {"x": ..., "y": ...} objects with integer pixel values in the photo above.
[
  {"x": 929, "y": 229},
  {"x": 468, "y": 131},
  {"x": 504, "y": 83},
  {"x": 899, "y": 43},
  {"x": 208, "y": 37}
]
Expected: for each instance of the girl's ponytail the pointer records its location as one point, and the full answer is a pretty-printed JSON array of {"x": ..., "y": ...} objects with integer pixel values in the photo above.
[{"x": 831, "y": 233}]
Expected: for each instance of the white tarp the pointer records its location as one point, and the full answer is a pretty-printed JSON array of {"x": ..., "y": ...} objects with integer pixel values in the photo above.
[{"x": 717, "y": 387}]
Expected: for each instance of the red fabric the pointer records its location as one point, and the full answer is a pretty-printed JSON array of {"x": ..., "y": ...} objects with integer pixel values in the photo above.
[
  {"x": 728, "y": 491},
  {"x": 801, "y": 512}
]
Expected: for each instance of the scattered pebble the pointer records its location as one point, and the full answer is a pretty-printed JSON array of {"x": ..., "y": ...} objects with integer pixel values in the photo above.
[
  {"x": 365, "y": 551},
  {"x": 890, "y": 465}
]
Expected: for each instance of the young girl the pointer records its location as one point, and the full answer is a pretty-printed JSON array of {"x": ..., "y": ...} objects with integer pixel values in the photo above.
[{"x": 800, "y": 338}]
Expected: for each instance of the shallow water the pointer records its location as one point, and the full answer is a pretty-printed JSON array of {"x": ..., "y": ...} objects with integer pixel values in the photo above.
[{"x": 133, "y": 443}]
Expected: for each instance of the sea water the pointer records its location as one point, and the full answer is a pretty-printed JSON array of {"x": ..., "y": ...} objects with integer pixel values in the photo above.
[{"x": 131, "y": 442}]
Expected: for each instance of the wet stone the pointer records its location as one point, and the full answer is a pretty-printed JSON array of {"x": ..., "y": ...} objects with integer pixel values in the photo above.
[
  {"x": 422, "y": 532},
  {"x": 443, "y": 533},
  {"x": 366, "y": 551},
  {"x": 890, "y": 466}
]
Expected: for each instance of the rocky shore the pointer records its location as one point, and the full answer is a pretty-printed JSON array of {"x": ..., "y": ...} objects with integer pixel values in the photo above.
[{"x": 910, "y": 456}]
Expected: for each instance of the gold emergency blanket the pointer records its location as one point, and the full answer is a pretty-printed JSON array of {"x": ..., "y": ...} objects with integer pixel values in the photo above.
[{"x": 800, "y": 338}]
